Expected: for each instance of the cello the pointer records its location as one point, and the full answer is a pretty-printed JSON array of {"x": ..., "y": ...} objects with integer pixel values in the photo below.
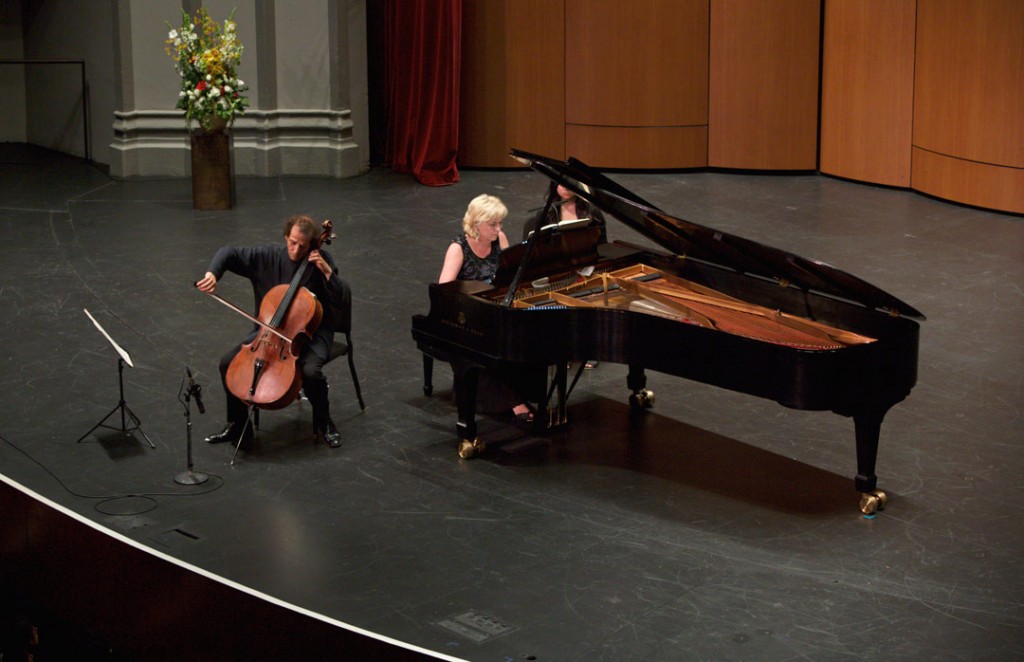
[{"x": 263, "y": 374}]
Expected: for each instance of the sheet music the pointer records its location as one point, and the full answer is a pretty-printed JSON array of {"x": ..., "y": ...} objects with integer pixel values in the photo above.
[{"x": 124, "y": 354}]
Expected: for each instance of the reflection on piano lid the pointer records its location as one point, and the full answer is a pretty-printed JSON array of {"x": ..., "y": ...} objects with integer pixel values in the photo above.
[{"x": 697, "y": 242}]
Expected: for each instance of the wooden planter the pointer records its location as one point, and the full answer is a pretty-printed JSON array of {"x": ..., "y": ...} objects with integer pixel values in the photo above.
[{"x": 212, "y": 185}]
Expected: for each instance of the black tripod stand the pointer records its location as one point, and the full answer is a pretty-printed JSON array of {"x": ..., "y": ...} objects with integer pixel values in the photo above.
[{"x": 126, "y": 413}]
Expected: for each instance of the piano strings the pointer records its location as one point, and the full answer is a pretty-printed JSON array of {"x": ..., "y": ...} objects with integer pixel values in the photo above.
[{"x": 644, "y": 289}]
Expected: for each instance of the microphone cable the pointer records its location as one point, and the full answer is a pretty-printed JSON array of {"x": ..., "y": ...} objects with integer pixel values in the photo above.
[{"x": 103, "y": 499}]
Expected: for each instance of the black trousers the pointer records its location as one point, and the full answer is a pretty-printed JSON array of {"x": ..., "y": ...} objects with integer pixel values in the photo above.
[
  {"x": 314, "y": 385},
  {"x": 500, "y": 389}
]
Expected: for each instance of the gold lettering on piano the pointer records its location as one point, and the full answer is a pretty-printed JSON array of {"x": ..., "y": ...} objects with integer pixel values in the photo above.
[{"x": 460, "y": 325}]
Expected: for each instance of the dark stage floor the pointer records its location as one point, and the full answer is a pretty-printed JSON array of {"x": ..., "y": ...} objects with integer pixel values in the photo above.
[{"x": 717, "y": 526}]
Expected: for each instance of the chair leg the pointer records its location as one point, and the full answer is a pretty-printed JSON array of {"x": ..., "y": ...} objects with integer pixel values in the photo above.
[{"x": 355, "y": 377}]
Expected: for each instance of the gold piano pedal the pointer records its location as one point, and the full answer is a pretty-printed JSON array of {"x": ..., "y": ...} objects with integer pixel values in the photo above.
[
  {"x": 557, "y": 417},
  {"x": 642, "y": 399},
  {"x": 469, "y": 449},
  {"x": 873, "y": 501}
]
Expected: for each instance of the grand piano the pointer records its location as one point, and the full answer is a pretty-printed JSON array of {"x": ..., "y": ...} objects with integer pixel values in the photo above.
[{"x": 713, "y": 307}]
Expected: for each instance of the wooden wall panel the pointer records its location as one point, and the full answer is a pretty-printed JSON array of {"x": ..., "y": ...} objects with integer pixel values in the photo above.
[
  {"x": 638, "y": 147},
  {"x": 867, "y": 97},
  {"x": 536, "y": 77},
  {"x": 512, "y": 90},
  {"x": 637, "y": 63},
  {"x": 969, "y": 102},
  {"x": 969, "y": 82},
  {"x": 969, "y": 182},
  {"x": 763, "y": 87},
  {"x": 734, "y": 84},
  {"x": 483, "y": 115}
]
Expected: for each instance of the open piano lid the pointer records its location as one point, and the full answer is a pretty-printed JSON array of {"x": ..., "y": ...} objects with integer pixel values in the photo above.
[{"x": 703, "y": 244}]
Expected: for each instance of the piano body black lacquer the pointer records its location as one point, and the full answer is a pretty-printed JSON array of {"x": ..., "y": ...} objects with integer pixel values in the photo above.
[{"x": 780, "y": 326}]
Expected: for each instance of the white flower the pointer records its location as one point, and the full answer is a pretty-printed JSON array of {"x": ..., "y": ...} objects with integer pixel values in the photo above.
[
  {"x": 182, "y": 93},
  {"x": 173, "y": 34},
  {"x": 227, "y": 88},
  {"x": 209, "y": 78},
  {"x": 214, "y": 92},
  {"x": 240, "y": 83}
]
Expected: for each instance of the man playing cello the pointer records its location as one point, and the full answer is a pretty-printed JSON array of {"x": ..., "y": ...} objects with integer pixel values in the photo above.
[{"x": 269, "y": 266}]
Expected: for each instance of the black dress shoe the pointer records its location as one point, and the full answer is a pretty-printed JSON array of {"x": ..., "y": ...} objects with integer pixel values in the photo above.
[
  {"x": 331, "y": 435},
  {"x": 230, "y": 433}
]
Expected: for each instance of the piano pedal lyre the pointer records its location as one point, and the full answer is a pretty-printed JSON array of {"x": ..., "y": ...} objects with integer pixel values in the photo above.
[
  {"x": 873, "y": 501},
  {"x": 641, "y": 399},
  {"x": 468, "y": 449}
]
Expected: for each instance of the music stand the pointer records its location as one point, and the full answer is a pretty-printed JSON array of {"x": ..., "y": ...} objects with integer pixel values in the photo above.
[{"x": 125, "y": 411}]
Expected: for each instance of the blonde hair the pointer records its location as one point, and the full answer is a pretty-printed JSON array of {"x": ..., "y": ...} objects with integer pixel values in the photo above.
[{"x": 482, "y": 209}]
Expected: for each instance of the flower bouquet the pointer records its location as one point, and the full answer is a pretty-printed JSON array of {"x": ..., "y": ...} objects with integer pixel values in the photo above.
[{"x": 205, "y": 56}]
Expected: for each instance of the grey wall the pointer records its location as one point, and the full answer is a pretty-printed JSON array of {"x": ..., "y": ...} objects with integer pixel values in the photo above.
[
  {"x": 12, "y": 77},
  {"x": 74, "y": 30},
  {"x": 304, "y": 61}
]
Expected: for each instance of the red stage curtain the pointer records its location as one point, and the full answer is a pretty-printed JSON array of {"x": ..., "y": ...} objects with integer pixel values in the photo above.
[{"x": 423, "y": 41}]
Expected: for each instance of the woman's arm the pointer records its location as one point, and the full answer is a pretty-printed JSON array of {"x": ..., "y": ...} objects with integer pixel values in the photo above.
[
  {"x": 452, "y": 264},
  {"x": 502, "y": 240}
]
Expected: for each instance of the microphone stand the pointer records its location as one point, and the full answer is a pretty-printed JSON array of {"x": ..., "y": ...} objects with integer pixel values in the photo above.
[{"x": 190, "y": 477}]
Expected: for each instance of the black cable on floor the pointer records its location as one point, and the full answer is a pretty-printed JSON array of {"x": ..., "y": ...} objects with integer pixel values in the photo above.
[{"x": 107, "y": 498}]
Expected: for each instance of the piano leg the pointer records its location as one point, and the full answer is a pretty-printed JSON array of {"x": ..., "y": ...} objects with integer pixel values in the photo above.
[
  {"x": 636, "y": 382},
  {"x": 558, "y": 415},
  {"x": 465, "y": 384},
  {"x": 428, "y": 375},
  {"x": 868, "y": 425}
]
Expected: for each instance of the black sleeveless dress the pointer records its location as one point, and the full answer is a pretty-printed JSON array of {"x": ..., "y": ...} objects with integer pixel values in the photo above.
[
  {"x": 498, "y": 391},
  {"x": 477, "y": 268}
]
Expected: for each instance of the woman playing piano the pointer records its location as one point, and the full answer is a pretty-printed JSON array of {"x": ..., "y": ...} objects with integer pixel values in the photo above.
[{"x": 473, "y": 255}]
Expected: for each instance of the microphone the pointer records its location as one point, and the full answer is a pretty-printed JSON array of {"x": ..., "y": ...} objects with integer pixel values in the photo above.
[{"x": 196, "y": 390}]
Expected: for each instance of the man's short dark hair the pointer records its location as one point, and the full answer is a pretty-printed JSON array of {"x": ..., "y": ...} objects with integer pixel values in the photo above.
[{"x": 305, "y": 224}]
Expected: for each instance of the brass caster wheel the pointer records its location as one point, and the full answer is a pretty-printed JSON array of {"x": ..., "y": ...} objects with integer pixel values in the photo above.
[
  {"x": 869, "y": 503},
  {"x": 469, "y": 449},
  {"x": 642, "y": 399}
]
